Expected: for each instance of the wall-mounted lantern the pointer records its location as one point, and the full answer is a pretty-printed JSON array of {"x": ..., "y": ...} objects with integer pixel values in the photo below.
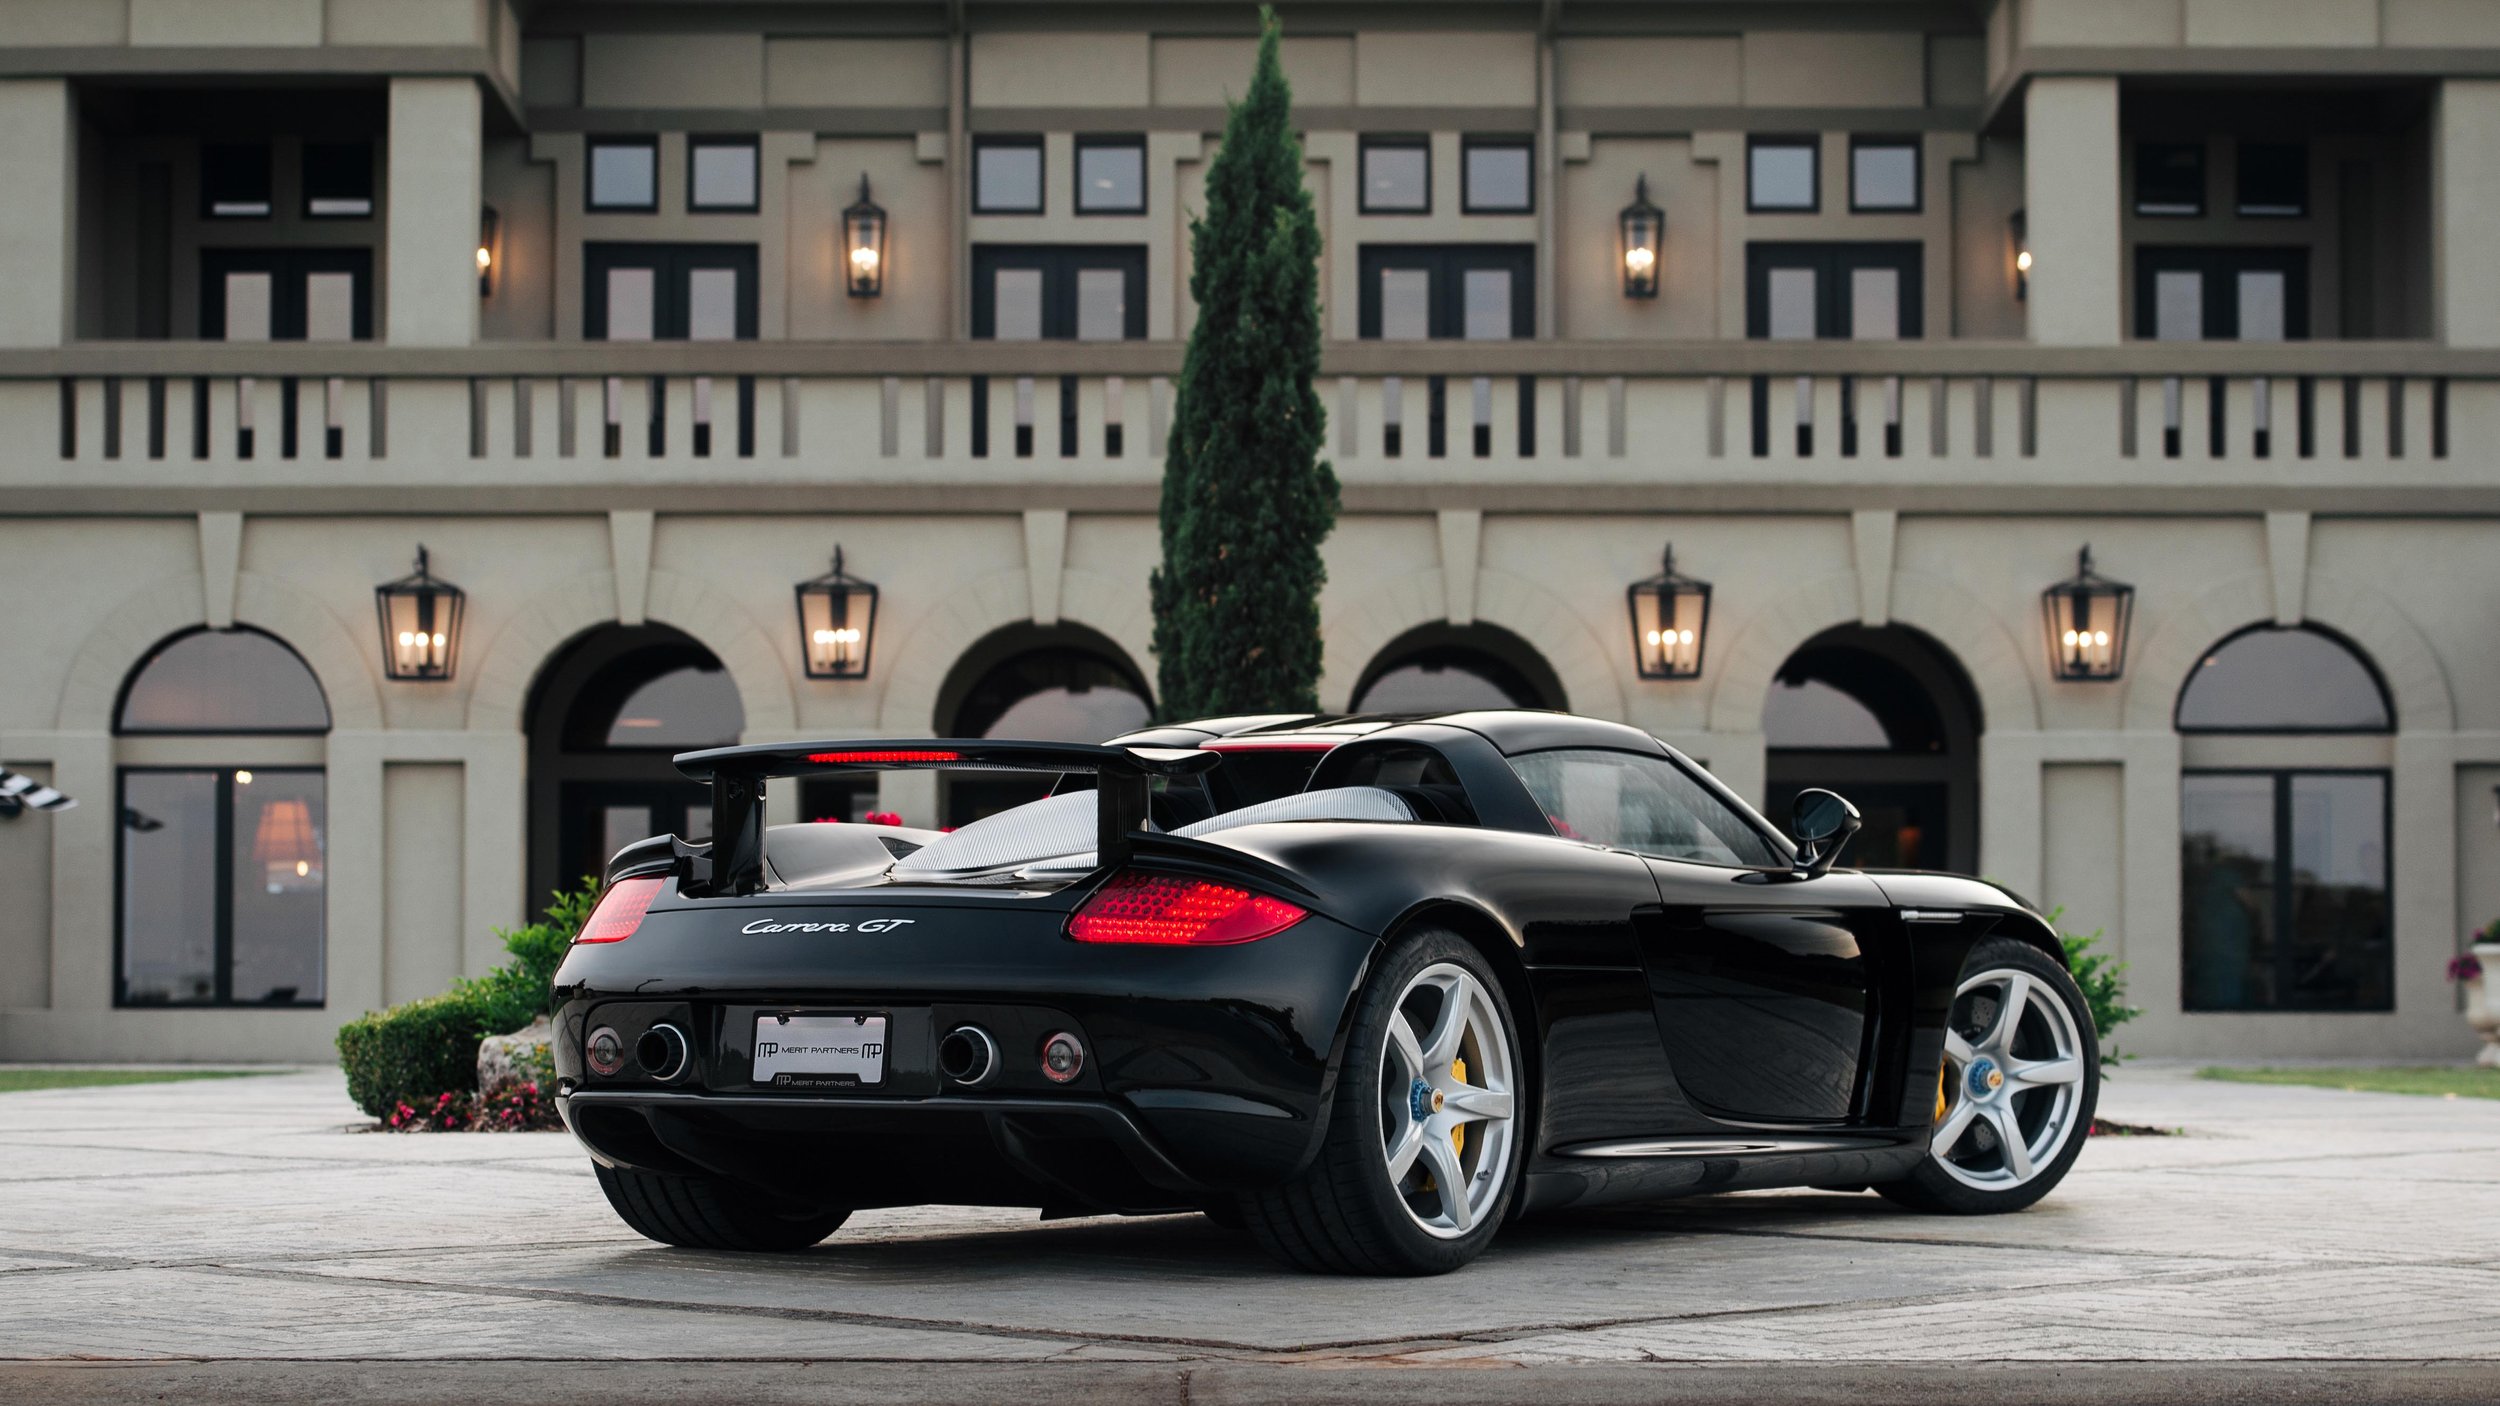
[
  {"x": 837, "y": 623},
  {"x": 2018, "y": 241},
  {"x": 1644, "y": 240},
  {"x": 489, "y": 249},
  {"x": 1670, "y": 622},
  {"x": 2086, "y": 618},
  {"x": 420, "y": 625},
  {"x": 863, "y": 245}
]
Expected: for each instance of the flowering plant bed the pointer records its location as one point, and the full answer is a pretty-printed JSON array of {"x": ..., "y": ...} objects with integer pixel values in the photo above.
[{"x": 516, "y": 1109}]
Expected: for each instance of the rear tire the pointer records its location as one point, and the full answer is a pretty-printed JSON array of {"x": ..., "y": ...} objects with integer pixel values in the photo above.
[
  {"x": 1430, "y": 1092},
  {"x": 710, "y": 1213},
  {"x": 2016, "y": 1097}
]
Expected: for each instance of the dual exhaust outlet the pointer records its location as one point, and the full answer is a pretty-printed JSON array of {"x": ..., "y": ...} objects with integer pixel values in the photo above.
[{"x": 969, "y": 1057}]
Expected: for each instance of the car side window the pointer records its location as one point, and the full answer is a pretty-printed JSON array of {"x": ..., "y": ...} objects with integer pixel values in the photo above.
[{"x": 1643, "y": 804}]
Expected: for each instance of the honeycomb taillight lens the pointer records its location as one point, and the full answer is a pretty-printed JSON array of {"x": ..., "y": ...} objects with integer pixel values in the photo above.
[
  {"x": 620, "y": 910},
  {"x": 1171, "y": 910}
]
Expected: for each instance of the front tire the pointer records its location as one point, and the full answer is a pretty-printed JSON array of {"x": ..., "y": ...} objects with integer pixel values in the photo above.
[
  {"x": 1424, "y": 1145},
  {"x": 709, "y": 1213},
  {"x": 2020, "y": 1081}
]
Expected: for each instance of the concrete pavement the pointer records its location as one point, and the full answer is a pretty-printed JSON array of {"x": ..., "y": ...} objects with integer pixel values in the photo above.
[{"x": 233, "y": 1240}]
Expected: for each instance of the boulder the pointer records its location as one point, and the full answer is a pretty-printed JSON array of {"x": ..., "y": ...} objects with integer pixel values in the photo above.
[{"x": 526, "y": 1056}]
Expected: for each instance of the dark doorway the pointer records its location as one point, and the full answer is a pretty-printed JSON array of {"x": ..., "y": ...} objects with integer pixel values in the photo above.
[
  {"x": 1445, "y": 668},
  {"x": 1061, "y": 683},
  {"x": 1886, "y": 718},
  {"x": 604, "y": 720}
]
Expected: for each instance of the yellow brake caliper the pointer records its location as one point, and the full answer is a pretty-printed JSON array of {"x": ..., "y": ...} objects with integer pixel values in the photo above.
[
  {"x": 1458, "y": 1135},
  {"x": 1941, "y": 1070}
]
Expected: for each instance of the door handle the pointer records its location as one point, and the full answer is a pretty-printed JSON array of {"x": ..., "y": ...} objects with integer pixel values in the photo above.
[{"x": 1930, "y": 915}]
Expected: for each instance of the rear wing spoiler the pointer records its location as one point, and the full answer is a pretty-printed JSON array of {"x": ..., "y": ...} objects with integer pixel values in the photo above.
[{"x": 1124, "y": 778}]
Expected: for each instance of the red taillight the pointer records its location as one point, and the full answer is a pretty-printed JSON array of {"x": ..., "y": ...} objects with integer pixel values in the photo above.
[
  {"x": 620, "y": 910},
  {"x": 887, "y": 758},
  {"x": 1168, "y": 910}
]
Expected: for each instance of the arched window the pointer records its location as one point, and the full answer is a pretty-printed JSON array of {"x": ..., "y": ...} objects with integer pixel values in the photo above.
[
  {"x": 222, "y": 858},
  {"x": 1061, "y": 683},
  {"x": 1841, "y": 698},
  {"x": 1452, "y": 668},
  {"x": 2284, "y": 827}
]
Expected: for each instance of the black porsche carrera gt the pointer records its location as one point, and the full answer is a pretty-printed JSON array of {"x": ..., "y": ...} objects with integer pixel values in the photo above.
[{"x": 1367, "y": 987}]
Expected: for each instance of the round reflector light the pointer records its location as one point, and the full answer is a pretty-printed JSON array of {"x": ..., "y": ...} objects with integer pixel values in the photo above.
[{"x": 1063, "y": 1058}]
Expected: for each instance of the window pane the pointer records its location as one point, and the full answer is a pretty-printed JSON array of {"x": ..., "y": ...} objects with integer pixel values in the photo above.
[
  {"x": 224, "y": 681},
  {"x": 1498, "y": 177},
  {"x": 1883, "y": 177},
  {"x": 1018, "y": 311},
  {"x": 2179, "y": 306},
  {"x": 1875, "y": 304},
  {"x": 2261, "y": 305},
  {"x": 1397, "y": 178},
  {"x": 620, "y": 826},
  {"x": 1639, "y": 803},
  {"x": 1008, "y": 179},
  {"x": 2227, "y": 889},
  {"x": 169, "y": 887},
  {"x": 1111, "y": 178},
  {"x": 1782, "y": 176},
  {"x": 338, "y": 179},
  {"x": 1101, "y": 305},
  {"x": 724, "y": 176},
  {"x": 1052, "y": 695},
  {"x": 712, "y": 305},
  {"x": 685, "y": 707},
  {"x": 247, "y": 306},
  {"x": 2169, "y": 178},
  {"x": 1405, "y": 305},
  {"x": 234, "y": 180},
  {"x": 1487, "y": 293},
  {"x": 2274, "y": 180},
  {"x": 624, "y": 176},
  {"x": 329, "y": 307},
  {"x": 1433, "y": 688},
  {"x": 279, "y": 844},
  {"x": 2282, "y": 680},
  {"x": 632, "y": 297},
  {"x": 2341, "y": 956},
  {"x": 1792, "y": 304}
]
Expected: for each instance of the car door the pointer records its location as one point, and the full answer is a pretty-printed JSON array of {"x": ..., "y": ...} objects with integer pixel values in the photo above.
[{"x": 1763, "y": 984}]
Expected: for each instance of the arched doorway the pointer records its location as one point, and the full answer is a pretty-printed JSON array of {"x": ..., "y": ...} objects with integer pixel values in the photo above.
[
  {"x": 1444, "y": 668},
  {"x": 1888, "y": 719},
  {"x": 607, "y": 714},
  {"x": 1061, "y": 683}
]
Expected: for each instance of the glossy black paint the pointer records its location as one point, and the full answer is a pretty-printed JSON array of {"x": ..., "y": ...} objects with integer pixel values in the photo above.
[{"x": 1687, "y": 1027}]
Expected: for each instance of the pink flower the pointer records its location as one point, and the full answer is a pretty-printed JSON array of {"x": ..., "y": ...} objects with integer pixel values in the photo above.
[{"x": 2464, "y": 966}]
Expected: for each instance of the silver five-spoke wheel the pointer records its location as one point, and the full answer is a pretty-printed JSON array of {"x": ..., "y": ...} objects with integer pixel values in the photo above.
[
  {"x": 2011, "y": 1091},
  {"x": 1447, "y": 1095}
]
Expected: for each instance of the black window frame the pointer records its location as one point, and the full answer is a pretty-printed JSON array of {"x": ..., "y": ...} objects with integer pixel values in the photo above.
[
  {"x": 312, "y": 154},
  {"x": 1468, "y": 146},
  {"x": 227, "y": 157},
  {"x": 224, "y": 842},
  {"x": 1021, "y": 141},
  {"x": 591, "y": 205},
  {"x": 2262, "y": 210},
  {"x": 2220, "y": 265},
  {"x": 752, "y": 143},
  {"x": 2283, "y": 777},
  {"x": 1831, "y": 259},
  {"x": 1390, "y": 141},
  {"x": 1105, "y": 141},
  {"x": 1813, "y": 146},
  {"x": 1059, "y": 265},
  {"x": 2136, "y": 202},
  {"x": 1782, "y": 853},
  {"x": 2361, "y": 657},
  {"x": 286, "y": 269},
  {"x": 1918, "y": 173},
  {"x": 670, "y": 262},
  {"x": 1447, "y": 265},
  {"x": 121, "y": 696}
]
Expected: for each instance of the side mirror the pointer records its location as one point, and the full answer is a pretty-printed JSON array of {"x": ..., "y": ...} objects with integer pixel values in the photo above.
[{"x": 1822, "y": 821}]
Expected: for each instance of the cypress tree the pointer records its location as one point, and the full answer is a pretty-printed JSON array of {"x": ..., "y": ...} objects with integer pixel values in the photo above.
[{"x": 1246, "y": 498}]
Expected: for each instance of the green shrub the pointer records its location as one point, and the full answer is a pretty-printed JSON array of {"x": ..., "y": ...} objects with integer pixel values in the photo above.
[
  {"x": 2104, "y": 982},
  {"x": 416, "y": 1052}
]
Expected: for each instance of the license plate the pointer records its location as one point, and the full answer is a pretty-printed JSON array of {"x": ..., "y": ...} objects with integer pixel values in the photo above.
[{"x": 804, "y": 1050}]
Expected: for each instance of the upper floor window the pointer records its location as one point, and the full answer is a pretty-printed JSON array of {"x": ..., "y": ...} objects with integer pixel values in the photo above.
[
  {"x": 722, "y": 174},
  {"x": 2170, "y": 179},
  {"x": 1783, "y": 174},
  {"x": 338, "y": 180},
  {"x": 234, "y": 181},
  {"x": 1077, "y": 292},
  {"x": 1883, "y": 174},
  {"x": 625, "y": 174},
  {"x": 1007, "y": 176},
  {"x": 1397, "y": 176},
  {"x": 2274, "y": 180},
  {"x": 1497, "y": 176},
  {"x": 1111, "y": 175}
]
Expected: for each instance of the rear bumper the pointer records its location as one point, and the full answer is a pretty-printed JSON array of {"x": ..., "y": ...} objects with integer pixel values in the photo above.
[{"x": 1073, "y": 1154}]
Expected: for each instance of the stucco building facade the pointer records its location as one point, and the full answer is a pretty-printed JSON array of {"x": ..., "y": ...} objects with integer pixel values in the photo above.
[{"x": 1935, "y": 296}]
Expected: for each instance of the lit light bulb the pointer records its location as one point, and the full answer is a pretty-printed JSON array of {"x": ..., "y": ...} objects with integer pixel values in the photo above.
[
  {"x": 242, "y": 778},
  {"x": 485, "y": 258},
  {"x": 438, "y": 641},
  {"x": 303, "y": 868},
  {"x": 1639, "y": 259},
  {"x": 864, "y": 258},
  {"x": 2101, "y": 638}
]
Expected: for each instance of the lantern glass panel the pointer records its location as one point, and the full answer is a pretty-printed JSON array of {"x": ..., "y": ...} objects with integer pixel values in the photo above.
[
  {"x": 863, "y": 243},
  {"x": 420, "y": 629},
  {"x": 2087, "y": 629},
  {"x": 1643, "y": 225},
  {"x": 1669, "y": 626},
  {"x": 834, "y": 624}
]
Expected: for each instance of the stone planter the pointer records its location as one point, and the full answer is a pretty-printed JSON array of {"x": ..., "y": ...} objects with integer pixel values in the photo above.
[{"x": 2482, "y": 1003}]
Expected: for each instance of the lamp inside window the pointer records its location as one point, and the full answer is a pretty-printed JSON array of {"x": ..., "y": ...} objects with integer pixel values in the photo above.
[{"x": 2086, "y": 618}]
